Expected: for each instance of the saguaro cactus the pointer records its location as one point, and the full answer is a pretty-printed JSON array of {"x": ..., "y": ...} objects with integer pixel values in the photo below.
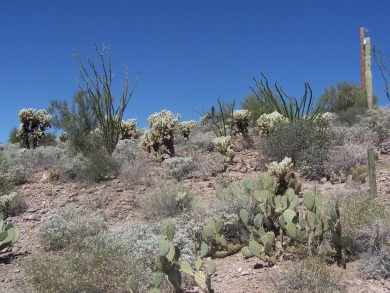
[{"x": 368, "y": 73}]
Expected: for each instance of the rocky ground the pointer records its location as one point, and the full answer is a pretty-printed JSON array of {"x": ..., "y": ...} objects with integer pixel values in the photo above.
[{"x": 117, "y": 201}]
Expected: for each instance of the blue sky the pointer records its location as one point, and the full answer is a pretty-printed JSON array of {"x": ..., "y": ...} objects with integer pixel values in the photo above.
[{"x": 188, "y": 52}]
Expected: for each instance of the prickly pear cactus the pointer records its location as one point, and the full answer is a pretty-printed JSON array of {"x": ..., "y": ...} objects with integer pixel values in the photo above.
[
  {"x": 214, "y": 243},
  {"x": 8, "y": 234}
]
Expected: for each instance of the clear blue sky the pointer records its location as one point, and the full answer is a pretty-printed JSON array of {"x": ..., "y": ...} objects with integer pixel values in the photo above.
[{"x": 188, "y": 52}]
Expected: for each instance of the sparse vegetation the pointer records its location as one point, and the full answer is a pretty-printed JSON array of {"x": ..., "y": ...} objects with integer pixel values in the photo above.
[{"x": 199, "y": 184}]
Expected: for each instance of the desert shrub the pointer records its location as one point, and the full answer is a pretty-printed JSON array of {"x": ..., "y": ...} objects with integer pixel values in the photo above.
[
  {"x": 375, "y": 265},
  {"x": 350, "y": 116},
  {"x": 89, "y": 167},
  {"x": 99, "y": 166},
  {"x": 179, "y": 167},
  {"x": 311, "y": 275},
  {"x": 12, "y": 204},
  {"x": 17, "y": 206},
  {"x": 306, "y": 142},
  {"x": 48, "y": 139},
  {"x": 201, "y": 139},
  {"x": 102, "y": 265},
  {"x": 9, "y": 156},
  {"x": 127, "y": 150},
  {"x": 343, "y": 158},
  {"x": 356, "y": 134},
  {"x": 367, "y": 222},
  {"x": 5, "y": 186},
  {"x": 13, "y": 137},
  {"x": 68, "y": 227},
  {"x": 209, "y": 165},
  {"x": 166, "y": 200},
  {"x": 70, "y": 166},
  {"x": 137, "y": 171},
  {"x": 19, "y": 174},
  {"x": 142, "y": 242},
  {"x": 42, "y": 158}
]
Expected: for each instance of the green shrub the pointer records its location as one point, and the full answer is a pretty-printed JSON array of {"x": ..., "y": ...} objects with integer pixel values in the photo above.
[
  {"x": 179, "y": 167},
  {"x": 166, "y": 200},
  {"x": 350, "y": 116},
  {"x": 68, "y": 227},
  {"x": 42, "y": 158},
  {"x": 19, "y": 174},
  {"x": 311, "y": 275},
  {"x": 345, "y": 96},
  {"x": 12, "y": 204},
  {"x": 5, "y": 186},
  {"x": 375, "y": 265},
  {"x": 100, "y": 263},
  {"x": 367, "y": 222},
  {"x": 306, "y": 142},
  {"x": 86, "y": 160}
]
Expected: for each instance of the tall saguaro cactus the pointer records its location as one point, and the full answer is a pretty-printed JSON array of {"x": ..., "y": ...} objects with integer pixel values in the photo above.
[{"x": 368, "y": 73}]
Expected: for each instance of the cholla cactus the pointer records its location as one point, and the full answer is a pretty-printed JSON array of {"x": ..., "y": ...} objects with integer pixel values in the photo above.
[
  {"x": 204, "y": 119},
  {"x": 5, "y": 202},
  {"x": 327, "y": 117},
  {"x": 129, "y": 129},
  {"x": 280, "y": 169},
  {"x": 63, "y": 136},
  {"x": 186, "y": 127},
  {"x": 223, "y": 144},
  {"x": 267, "y": 122},
  {"x": 162, "y": 132},
  {"x": 241, "y": 121},
  {"x": 34, "y": 123}
]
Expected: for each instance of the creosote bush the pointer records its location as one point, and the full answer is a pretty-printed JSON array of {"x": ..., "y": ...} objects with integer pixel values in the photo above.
[
  {"x": 98, "y": 263},
  {"x": 306, "y": 142},
  {"x": 310, "y": 275},
  {"x": 179, "y": 167},
  {"x": 68, "y": 227},
  {"x": 166, "y": 200}
]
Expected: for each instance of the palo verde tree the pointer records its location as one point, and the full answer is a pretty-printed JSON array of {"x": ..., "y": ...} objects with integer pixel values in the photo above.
[
  {"x": 98, "y": 93},
  {"x": 77, "y": 120}
]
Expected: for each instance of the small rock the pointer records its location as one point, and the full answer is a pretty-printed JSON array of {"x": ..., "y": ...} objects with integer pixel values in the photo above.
[
  {"x": 244, "y": 273},
  {"x": 239, "y": 270},
  {"x": 323, "y": 180}
]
